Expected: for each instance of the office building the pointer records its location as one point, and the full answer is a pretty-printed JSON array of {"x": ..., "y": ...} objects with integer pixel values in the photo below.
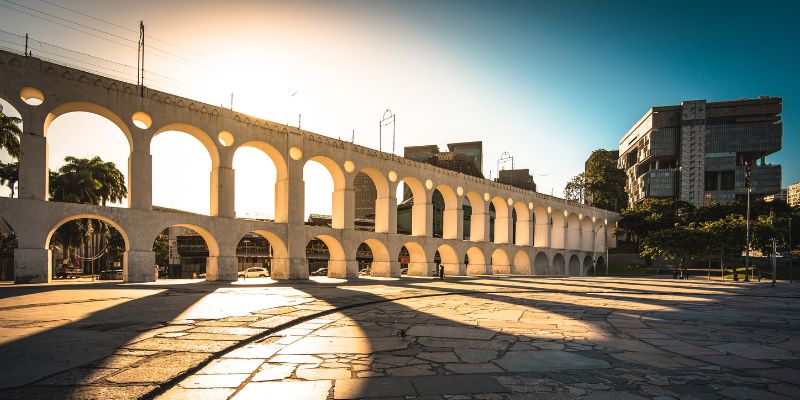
[{"x": 696, "y": 151}]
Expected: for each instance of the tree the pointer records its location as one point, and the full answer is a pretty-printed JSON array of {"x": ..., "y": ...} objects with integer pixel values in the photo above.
[
  {"x": 727, "y": 236},
  {"x": 653, "y": 215},
  {"x": 9, "y": 175},
  {"x": 679, "y": 243},
  {"x": 88, "y": 181},
  {"x": 605, "y": 182},
  {"x": 575, "y": 190},
  {"x": 9, "y": 133}
]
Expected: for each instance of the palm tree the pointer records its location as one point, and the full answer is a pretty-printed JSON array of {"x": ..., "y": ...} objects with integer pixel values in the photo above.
[
  {"x": 9, "y": 175},
  {"x": 88, "y": 181},
  {"x": 112, "y": 182},
  {"x": 9, "y": 133}
]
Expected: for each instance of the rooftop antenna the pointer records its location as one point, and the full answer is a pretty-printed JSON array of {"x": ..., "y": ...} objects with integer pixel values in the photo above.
[{"x": 503, "y": 158}]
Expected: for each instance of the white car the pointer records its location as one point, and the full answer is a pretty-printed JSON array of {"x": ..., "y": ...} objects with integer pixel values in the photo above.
[{"x": 254, "y": 272}]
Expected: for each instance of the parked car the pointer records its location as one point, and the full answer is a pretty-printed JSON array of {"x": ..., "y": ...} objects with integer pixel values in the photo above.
[
  {"x": 111, "y": 274},
  {"x": 320, "y": 272},
  {"x": 404, "y": 271},
  {"x": 254, "y": 272},
  {"x": 68, "y": 271}
]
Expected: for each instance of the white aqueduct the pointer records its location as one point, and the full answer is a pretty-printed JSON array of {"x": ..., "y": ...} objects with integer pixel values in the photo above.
[{"x": 552, "y": 236}]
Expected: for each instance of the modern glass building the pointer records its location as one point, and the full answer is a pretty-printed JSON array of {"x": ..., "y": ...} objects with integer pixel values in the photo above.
[{"x": 696, "y": 151}]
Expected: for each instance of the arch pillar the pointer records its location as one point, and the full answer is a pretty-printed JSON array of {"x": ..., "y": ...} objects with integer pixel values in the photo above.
[
  {"x": 453, "y": 224},
  {"x": 343, "y": 206},
  {"x": 386, "y": 215},
  {"x": 292, "y": 190},
  {"x": 479, "y": 225},
  {"x": 222, "y": 191},
  {"x": 421, "y": 268},
  {"x": 223, "y": 267},
  {"x": 140, "y": 174},
  {"x": 33, "y": 170},
  {"x": 542, "y": 232},
  {"x": 503, "y": 226},
  {"x": 422, "y": 218},
  {"x": 523, "y": 231},
  {"x": 32, "y": 265}
]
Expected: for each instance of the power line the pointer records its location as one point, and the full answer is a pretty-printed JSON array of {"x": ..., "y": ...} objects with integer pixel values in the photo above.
[
  {"x": 70, "y": 21},
  {"x": 164, "y": 53},
  {"x": 120, "y": 27}
]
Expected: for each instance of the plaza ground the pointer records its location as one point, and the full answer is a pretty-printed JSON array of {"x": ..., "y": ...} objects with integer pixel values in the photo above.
[{"x": 491, "y": 337}]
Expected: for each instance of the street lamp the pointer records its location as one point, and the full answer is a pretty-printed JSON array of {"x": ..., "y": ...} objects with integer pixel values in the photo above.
[{"x": 747, "y": 170}]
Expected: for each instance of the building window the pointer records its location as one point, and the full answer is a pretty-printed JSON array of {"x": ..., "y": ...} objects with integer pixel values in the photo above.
[
  {"x": 728, "y": 180},
  {"x": 711, "y": 181}
]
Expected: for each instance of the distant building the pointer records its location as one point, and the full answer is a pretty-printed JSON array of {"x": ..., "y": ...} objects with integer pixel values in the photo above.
[
  {"x": 519, "y": 178},
  {"x": 793, "y": 194},
  {"x": 365, "y": 194},
  {"x": 696, "y": 151},
  {"x": 464, "y": 157},
  {"x": 780, "y": 196}
]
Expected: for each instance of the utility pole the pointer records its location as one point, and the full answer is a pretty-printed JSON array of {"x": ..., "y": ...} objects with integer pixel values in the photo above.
[
  {"x": 791, "y": 266},
  {"x": 26, "y": 45},
  {"x": 140, "y": 60}
]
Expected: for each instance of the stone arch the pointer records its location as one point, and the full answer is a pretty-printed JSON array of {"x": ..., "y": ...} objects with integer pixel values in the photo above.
[
  {"x": 559, "y": 265},
  {"x": 418, "y": 264},
  {"x": 127, "y": 274},
  {"x": 477, "y": 226},
  {"x": 502, "y": 220},
  {"x": 217, "y": 175},
  {"x": 78, "y": 106},
  {"x": 211, "y": 265},
  {"x": 337, "y": 265},
  {"x": 107, "y": 220},
  {"x": 246, "y": 258},
  {"x": 522, "y": 263},
  {"x": 500, "y": 263},
  {"x": 541, "y": 265},
  {"x": 338, "y": 211},
  {"x": 451, "y": 215},
  {"x": 587, "y": 241},
  {"x": 420, "y": 212},
  {"x": 383, "y": 205},
  {"x": 600, "y": 265},
  {"x": 541, "y": 227},
  {"x": 381, "y": 261},
  {"x": 573, "y": 232},
  {"x": 449, "y": 260},
  {"x": 203, "y": 137},
  {"x": 559, "y": 229},
  {"x": 574, "y": 266},
  {"x": 587, "y": 265},
  {"x": 281, "y": 192},
  {"x": 522, "y": 227},
  {"x": 476, "y": 264}
]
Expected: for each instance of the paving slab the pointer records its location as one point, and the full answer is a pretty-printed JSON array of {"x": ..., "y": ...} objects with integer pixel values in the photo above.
[{"x": 547, "y": 360}]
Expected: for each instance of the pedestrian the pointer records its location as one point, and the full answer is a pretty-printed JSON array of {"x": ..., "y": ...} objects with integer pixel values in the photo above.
[{"x": 441, "y": 272}]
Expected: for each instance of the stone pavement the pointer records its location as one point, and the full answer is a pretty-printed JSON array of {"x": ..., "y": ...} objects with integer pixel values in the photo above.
[{"x": 478, "y": 337}]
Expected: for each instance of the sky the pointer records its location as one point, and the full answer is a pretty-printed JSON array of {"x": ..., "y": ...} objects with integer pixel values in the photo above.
[{"x": 546, "y": 81}]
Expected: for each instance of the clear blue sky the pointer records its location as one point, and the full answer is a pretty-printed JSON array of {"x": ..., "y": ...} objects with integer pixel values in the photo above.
[{"x": 547, "y": 81}]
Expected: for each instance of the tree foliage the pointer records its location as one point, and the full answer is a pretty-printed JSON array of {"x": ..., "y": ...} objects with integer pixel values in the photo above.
[
  {"x": 575, "y": 190},
  {"x": 9, "y": 133},
  {"x": 605, "y": 182}
]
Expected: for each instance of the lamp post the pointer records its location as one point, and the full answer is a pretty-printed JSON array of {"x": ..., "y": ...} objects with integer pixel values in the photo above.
[
  {"x": 747, "y": 170},
  {"x": 388, "y": 118}
]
